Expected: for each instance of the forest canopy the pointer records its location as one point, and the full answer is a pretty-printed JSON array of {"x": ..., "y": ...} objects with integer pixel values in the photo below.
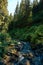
[
  {"x": 25, "y": 25},
  {"x": 21, "y": 34}
]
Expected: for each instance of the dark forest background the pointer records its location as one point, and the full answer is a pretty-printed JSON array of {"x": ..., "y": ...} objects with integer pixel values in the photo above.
[{"x": 25, "y": 25}]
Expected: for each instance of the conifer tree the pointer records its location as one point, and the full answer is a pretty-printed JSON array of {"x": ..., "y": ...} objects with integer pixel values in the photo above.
[
  {"x": 3, "y": 7},
  {"x": 3, "y": 12}
]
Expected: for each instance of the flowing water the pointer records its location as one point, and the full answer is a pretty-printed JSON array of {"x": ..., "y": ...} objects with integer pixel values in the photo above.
[{"x": 27, "y": 56}]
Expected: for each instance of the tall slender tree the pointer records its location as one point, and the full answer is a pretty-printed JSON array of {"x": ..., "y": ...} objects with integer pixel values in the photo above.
[
  {"x": 35, "y": 7},
  {"x": 16, "y": 13},
  {"x": 3, "y": 7},
  {"x": 25, "y": 8},
  {"x": 3, "y": 12}
]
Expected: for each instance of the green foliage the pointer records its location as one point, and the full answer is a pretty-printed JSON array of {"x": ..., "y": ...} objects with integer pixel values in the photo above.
[
  {"x": 37, "y": 11},
  {"x": 3, "y": 13},
  {"x": 3, "y": 7},
  {"x": 33, "y": 34},
  {"x": 26, "y": 25},
  {"x": 21, "y": 15}
]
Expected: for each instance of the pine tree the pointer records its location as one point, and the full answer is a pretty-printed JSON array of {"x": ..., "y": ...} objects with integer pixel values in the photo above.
[
  {"x": 16, "y": 13},
  {"x": 41, "y": 5},
  {"x": 3, "y": 7},
  {"x": 3, "y": 12},
  {"x": 17, "y": 8},
  {"x": 35, "y": 7},
  {"x": 22, "y": 7},
  {"x": 25, "y": 8}
]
